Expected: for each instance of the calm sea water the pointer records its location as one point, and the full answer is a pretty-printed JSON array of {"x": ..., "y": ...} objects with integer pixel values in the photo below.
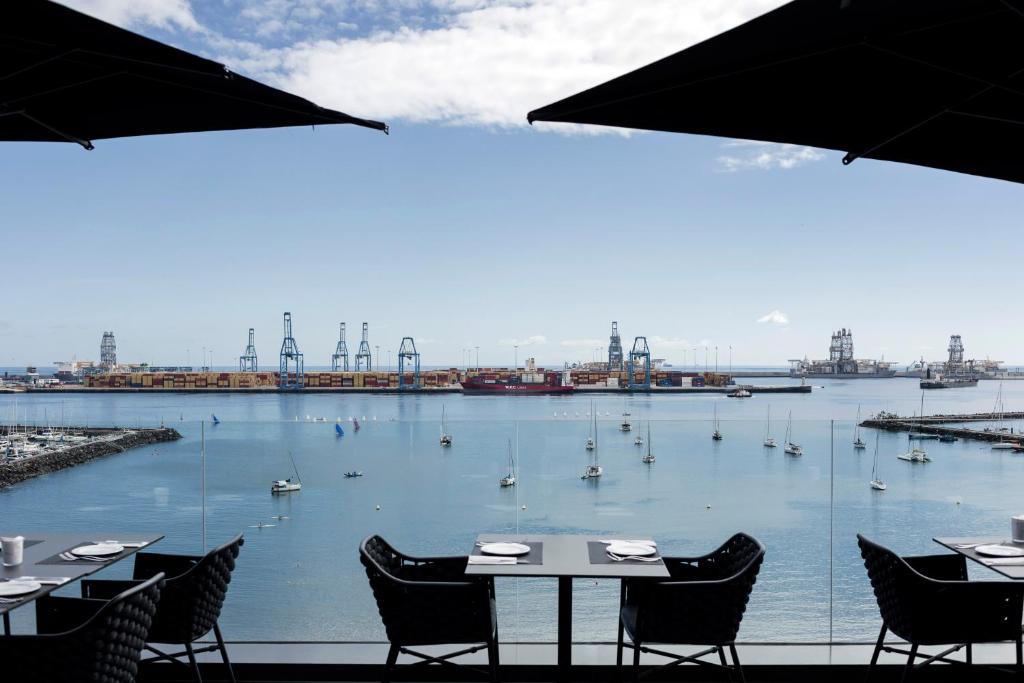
[{"x": 300, "y": 579}]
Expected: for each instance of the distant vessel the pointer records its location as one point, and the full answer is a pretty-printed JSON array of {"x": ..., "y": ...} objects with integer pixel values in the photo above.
[
  {"x": 592, "y": 437},
  {"x": 948, "y": 438},
  {"x": 941, "y": 382},
  {"x": 1004, "y": 446},
  {"x": 353, "y": 474},
  {"x": 215, "y": 420},
  {"x": 841, "y": 364},
  {"x": 915, "y": 455},
  {"x": 510, "y": 478},
  {"x": 858, "y": 442},
  {"x": 876, "y": 481},
  {"x": 790, "y": 447},
  {"x": 287, "y": 485},
  {"x": 639, "y": 440},
  {"x": 769, "y": 442},
  {"x": 522, "y": 383},
  {"x": 446, "y": 438},
  {"x": 625, "y": 426},
  {"x": 739, "y": 393},
  {"x": 649, "y": 457},
  {"x": 593, "y": 469},
  {"x": 717, "y": 434},
  {"x": 338, "y": 430}
]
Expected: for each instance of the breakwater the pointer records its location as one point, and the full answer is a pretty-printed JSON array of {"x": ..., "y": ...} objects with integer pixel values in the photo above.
[
  {"x": 940, "y": 425},
  {"x": 101, "y": 442}
]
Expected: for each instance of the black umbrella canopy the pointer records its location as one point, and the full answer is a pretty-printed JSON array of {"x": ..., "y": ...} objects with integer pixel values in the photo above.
[
  {"x": 936, "y": 83},
  {"x": 67, "y": 77}
]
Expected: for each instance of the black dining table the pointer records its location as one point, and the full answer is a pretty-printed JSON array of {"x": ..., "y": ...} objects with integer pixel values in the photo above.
[
  {"x": 565, "y": 557},
  {"x": 1011, "y": 568},
  {"x": 41, "y": 561}
]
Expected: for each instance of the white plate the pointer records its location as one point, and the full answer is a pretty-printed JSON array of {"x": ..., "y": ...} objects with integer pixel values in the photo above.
[
  {"x": 99, "y": 549},
  {"x": 16, "y": 587},
  {"x": 631, "y": 549},
  {"x": 999, "y": 551},
  {"x": 504, "y": 549}
]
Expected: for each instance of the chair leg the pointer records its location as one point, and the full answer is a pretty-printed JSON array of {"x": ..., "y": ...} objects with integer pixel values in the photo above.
[
  {"x": 725, "y": 665},
  {"x": 224, "y": 653},
  {"x": 1020, "y": 660},
  {"x": 874, "y": 655},
  {"x": 389, "y": 664},
  {"x": 636, "y": 661},
  {"x": 193, "y": 664},
  {"x": 618, "y": 649},
  {"x": 909, "y": 668},
  {"x": 969, "y": 656},
  {"x": 736, "y": 664},
  {"x": 493, "y": 659}
]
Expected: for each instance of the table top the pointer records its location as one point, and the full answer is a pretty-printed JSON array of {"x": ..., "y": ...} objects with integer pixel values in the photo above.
[
  {"x": 45, "y": 546},
  {"x": 1012, "y": 571},
  {"x": 564, "y": 556}
]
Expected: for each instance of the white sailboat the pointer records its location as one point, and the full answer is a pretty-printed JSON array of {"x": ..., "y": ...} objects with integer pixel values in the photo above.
[
  {"x": 593, "y": 469},
  {"x": 639, "y": 440},
  {"x": 1001, "y": 445},
  {"x": 858, "y": 442},
  {"x": 915, "y": 454},
  {"x": 876, "y": 481},
  {"x": 510, "y": 478},
  {"x": 446, "y": 438},
  {"x": 792, "y": 448},
  {"x": 287, "y": 485},
  {"x": 769, "y": 442},
  {"x": 591, "y": 439},
  {"x": 649, "y": 457},
  {"x": 625, "y": 426},
  {"x": 717, "y": 434}
]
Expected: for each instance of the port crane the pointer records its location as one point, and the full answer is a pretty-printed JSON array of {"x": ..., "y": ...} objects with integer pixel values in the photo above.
[
  {"x": 615, "y": 348},
  {"x": 364, "y": 356},
  {"x": 639, "y": 352},
  {"x": 407, "y": 353},
  {"x": 247, "y": 361},
  {"x": 291, "y": 359},
  {"x": 339, "y": 361}
]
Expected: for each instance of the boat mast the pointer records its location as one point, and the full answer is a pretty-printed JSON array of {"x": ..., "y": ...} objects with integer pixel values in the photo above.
[{"x": 297, "y": 477}]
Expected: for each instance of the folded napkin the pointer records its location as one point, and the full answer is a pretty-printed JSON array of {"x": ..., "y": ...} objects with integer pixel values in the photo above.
[
  {"x": 650, "y": 543},
  {"x": 491, "y": 559},
  {"x": 46, "y": 580},
  {"x": 1003, "y": 561}
]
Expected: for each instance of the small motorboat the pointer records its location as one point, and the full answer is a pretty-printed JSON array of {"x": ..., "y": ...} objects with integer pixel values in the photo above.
[
  {"x": 354, "y": 473},
  {"x": 948, "y": 438},
  {"x": 1004, "y": 446},
  {"x": 739, "y": 393}
]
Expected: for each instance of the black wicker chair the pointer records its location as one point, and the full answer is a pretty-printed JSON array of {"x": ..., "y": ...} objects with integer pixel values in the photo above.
[
  {"x": 701, "y": 604},
  {"x": 193, "y": 596},
  {"x": 84, "y": 640},
  {"x": 430, "y": 601},
  {"x": 927, "y": 600}
]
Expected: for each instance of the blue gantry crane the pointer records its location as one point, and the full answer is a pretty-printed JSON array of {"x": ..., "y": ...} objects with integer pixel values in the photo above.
[
  {"x": 363, "y": 356},
  {"x": 247, "y": 361},
  {"x": 339, "y": 361},
  {"x": 640, "y": 351},
  {"x": 291, "y": 358},
  {"x": 407, "y": 353}
]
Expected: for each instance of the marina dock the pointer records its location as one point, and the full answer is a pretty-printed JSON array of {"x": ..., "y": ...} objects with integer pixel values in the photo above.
[{"x": 939, "y": 426}]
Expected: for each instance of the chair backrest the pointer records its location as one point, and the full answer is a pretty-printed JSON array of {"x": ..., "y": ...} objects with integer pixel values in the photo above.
[
  {"x": 105, "y": 649},
  {"x": 193, "y": 600},
  {"x": 707, "y": 608},
  {"x": 894, "y": 583}
]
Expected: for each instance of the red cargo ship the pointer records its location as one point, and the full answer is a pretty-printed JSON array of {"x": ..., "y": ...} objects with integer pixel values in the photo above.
[{"x": 550, "y": 384}]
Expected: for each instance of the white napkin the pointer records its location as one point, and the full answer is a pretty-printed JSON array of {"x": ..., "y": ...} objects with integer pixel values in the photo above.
[
  {"x": 650, "y": 543},
  {"x": 491, "y": 559},
  {"x": 46, "y": 580},
  {"x": 1004, "y": 561}
]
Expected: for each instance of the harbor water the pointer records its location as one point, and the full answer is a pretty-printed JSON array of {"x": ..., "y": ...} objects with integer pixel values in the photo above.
[{"x": 299, "y": 577}]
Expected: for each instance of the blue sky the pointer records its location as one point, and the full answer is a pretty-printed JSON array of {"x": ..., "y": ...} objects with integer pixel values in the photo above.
[{"x": 465, "y": 227}]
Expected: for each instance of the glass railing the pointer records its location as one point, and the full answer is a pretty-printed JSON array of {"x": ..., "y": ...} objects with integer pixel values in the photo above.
[{"x": 299, "y": 576}]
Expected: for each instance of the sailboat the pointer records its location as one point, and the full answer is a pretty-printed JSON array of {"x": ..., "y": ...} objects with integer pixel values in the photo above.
[
  {"x": 858, "y": 442},
  {"x": 287, "y": 485},
  {"x": 591, "y": 440},
  {"x": 791, "y": 448},
  {"x": 639, "y": 440},
  {"x": 649, "y": 458},
  {"x": 593, "y": 469},
  {"x": 717, "y": 434},
  {"x": 215, "y": 420},
  {"x": 355, "y": 423},
  {"x": 769, "y": 442},
  {"x": 446, "y": 438},
  {"x": 338, "y": 430},
  {"x": 510, "y": 478},
  {"x": 1001, "y": 445},
  {"x": 876, "y": 482},
  {"x": 625, "y": 426},
  {"x": 915, "y": 455}
]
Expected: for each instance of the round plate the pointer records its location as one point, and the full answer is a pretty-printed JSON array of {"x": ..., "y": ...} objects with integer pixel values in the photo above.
[
  {"x": 512, "y": 549},
  {"x": 637, "y": 549},
  {"x": 999, "y": 551},
  {"x": 18, "y": 587},
  {"x": 99, "y": 549}
]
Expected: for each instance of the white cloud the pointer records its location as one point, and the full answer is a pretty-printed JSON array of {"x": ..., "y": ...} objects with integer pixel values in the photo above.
[
  {"x": 534, "y": 340},
  {"x": 160, "y": 13},
  {"x": 775, "y": 317},
  {"x": 489, "y": 62},
  {"x": 669, "y": 342},
  {"x": 766, "y": 156},
  {"x": 581, "y": 343}
]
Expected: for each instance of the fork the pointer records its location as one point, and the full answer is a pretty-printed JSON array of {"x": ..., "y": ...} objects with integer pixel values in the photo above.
[{"x": 621, "y": 558}]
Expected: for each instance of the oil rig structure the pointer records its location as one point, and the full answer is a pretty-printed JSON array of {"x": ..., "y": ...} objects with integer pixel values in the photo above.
[
  {"x": 339, "y": 361},
  {"x": 291, "y": 359},
  {"x": 108, "y": 352},
  {"x": 247, "y": 361}
]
